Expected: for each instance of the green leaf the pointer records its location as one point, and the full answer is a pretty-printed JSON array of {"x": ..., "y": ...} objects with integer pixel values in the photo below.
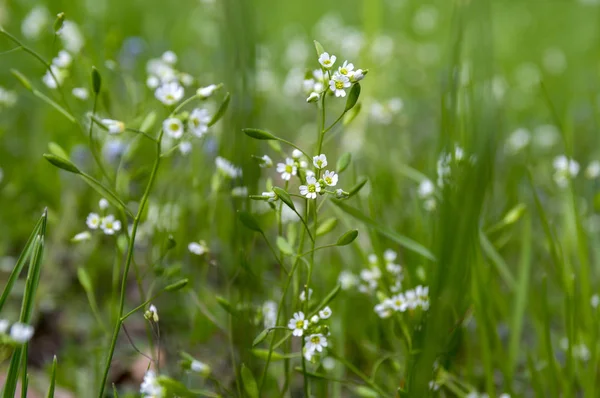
[
  {"x": 400, "y": 239},
  {"x": 355, "y": 189},
  {"x": 285, "y": 197},
  {"x": 57, "y": 150},
  {"x": 261, "y": 337},
  {"x": 52, "y": 379},
  {"x": 275, "y": 356},
  {"x": 319, "y": 48},
  {"x": 366, "y": 392},
  {"x": 352, "y": 114},
  {"x": 347, "y": 238},
  {"x": 177, "y": 285},
  {"x": 327, "y": 226},
  {"x": 497, "y": 260},
  {"x": 225, "y": 305},
  {"x": 250, "y": 385},
  {"x": 221, "y": 111},
  {"x": 352, "y": 97},
  {"x": 284, "y": 246},
  {"x": 61, "y": 163},
  {"x": 259, "y": 134},
  {"x": 148, "y": 121},
  {"x": 343, "y": 162},
  {"x": 249, "y": 221},
  {"x": 58, "y": 22},
  {"x": 175, "y": 388},
  {"x": 84, "y": 279},
  {"x": 96, "y": 80}
]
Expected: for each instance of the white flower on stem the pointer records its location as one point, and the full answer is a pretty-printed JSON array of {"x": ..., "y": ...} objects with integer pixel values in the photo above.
[
  {"x": 372, "y": 258},
  {"x": 80, "y": 93},
  {"x": 347, "y": 69},
  {"x": 266, "y": 162},
  {"x": 35, "y": 22},
  {"x": 169, "y": 57},
  {"x": 270, "y": 196},
  {"x": 315, "y": 342},
  {"x": 313, "y": 97},
  {"x": 287, "y": 169},
  {"x": 330, "y": 178},
  {"x": 565, "y": 169},
  {"x": 338, "y": 84},
  {"x": 227, "y": 168},
  {"x": 152, "y": 82},
  {"x": 93, "y": 221},
  {"x": 199, "y": 367},
  {"x": 103, "y": 204},
  {"x": 341, "y": 194},
  {"x": 357, "y": 75},
  {"x": 426, "y": 189},
  {"x": 315, "y": 319},
  {"x": 63, "y": 59},
  {"x": 269, "y": 311},
  {"x": 298, "y": 324},
  {"x": 186, "y": 79},
  {"x": 392, "y": 268},
  {"x": 198, "y": 121},
  {"x": 71, "y": 37},
  {"x": 198, "y": 248},
  {"x": 54, "y": 77},
  {"x": 327, "y": 60},
  {"x": 109, "y": 225},
  {"x": 21, "y": 333},
  {"x": 173, "y": 127},
  {"x": 303, "y": 294},
  {"x": 411, "y": 299},
  {"x": 169, "y": 93},
  {"x": 297, "y": 154},
  {"x": 150, "y": 387},
  {"x": 205, "y": 92},
  {"x": 399, "y": 303},
  {"x": 383, "y": 309},
  {"x": 81, "y": 237},
  {"x": 325, "y": 313},
  {"x": 320, "y": 161},
  {"x": 347, "y": 280},
  {"x": 151, "y": 314},
  {"x": 311, "y": 188},
  {"x": 113, "y": 126},
  {"x": 3, "y": 326},
  {"x": 390, "y": 256}
]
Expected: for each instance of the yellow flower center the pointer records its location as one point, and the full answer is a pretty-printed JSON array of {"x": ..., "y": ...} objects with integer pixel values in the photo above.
[
  {"x": 315, "y": 339},
  {"x": 299, "y": 324},
  {"x": 344, "y": 71},
  {"x": 339, "y": 85},
  {"x": 328, "y": 180},
  {"x": 174, "y": 126},
  {"x": 311, "y": 188},
  {"x": 327, "y": 62},
  {"x": 289, "y": 169}
]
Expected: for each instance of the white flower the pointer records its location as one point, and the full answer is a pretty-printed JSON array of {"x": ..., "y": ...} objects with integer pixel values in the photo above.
[
  {"x": 328, "y": 363},
  {"x": 518, "y": 140},
  {"x": 357, "y": 75},
  {"x": 315, "y": 342},
  {"x": 565, "y": 169},
  {"x": 390, "y": 256},
  {"x": 93, "y": 221},
  {"x": 383, "y": 310},
  {"x": 63, "y": 59},
  {"x": 311, "y": 188},
  {"x": 227, "y": 168},
  {"x": 269, "y": 311},
  {"x": 200, "y": 367},
  {"x": 411, "y": 299},
  {"x": 347, "y": 279},
  {"x": 80, "y": 93},
  {"x": 205, "y": 92},
  {"x": 151, "y": 314},
  {"x": 186, "y": 79},
  {"x": 422, "y": 293},
  {"x": 326, "y": 60},
  {"x": 81, "y": 237},
  {"x": 330, "y": 178},
  {"x": 169, "y": 93},
  {"x": 198, "y": 248},
  {"x": 341, "y": 194},
  {"x": 320, "y": 161},
  {"x": 3, "y": 326},
  {"x": 287, "y": 169},
  {"x": 169, "y": 57},
  {"x": 150, "y": 387},
  {"x": 71, "y": 37},
  {"x": 325, "y": 313},
  {"x": 173, "y": 127},
  {"x": 595, "y": 301},
  {"x": 109, "y": 225},
  {"x": 54, "y": 77},
  {"x": 346, "y": 69},
  {"x": 303, "y": 294},
  {"x": 399, "y": 303},
  {"x": 21, "y": 333},
  {"x": 313, "y": 97},
  {"x": 35, "y": 22},
  {"x": 113, "y": 126},
  {"x": 152, "y": 82},
  {"x": 372, "y": 258},
  {"x": 185, "y": 147},
  {"x": 338, "y": 84},
  {"x": 315, "y": 319},
  {"x": 593, "y": 170},
  {"x": 298, "y": 324},
  {"x": 103, "y": 204},
  {"x": 297, "y": 154},
  {"x": 266, "y": 161},
  {"x": 392, "y": 268},
  {"x": 426, "y": 189},
  {"x": 198, "y": 121},
  {"x": 270, "y": 196}
]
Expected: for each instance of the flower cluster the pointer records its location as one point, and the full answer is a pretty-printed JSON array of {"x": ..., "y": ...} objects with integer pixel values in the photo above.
[
  {"x": 59, "y": 70},
  {"x": 105, "y": 222},
  {"x": 314, "y": 331},
  {"x": 370, "y": 277},
  {"x": 564, "y": 170},
  {"x": 408, "y": 300},
  {"x": 19, "y": 333},
  {"x": 195, "y": 122},
  {"x": 317, "y": 82},
  {"x": 167, "y": 81}
]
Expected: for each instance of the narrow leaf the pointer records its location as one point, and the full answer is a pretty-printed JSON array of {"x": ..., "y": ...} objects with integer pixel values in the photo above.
[
  {"x": 249, "y": 221},
  {"x": 61, "y": 163},
  {"x": 221, "y": 111},
  {"x": 327, "y": 226},
  {"x": 259, "y": 134},
  {"x": 352, "y": 97},
  {"x": 250, "y": 385},
  {"x": 261, "y": 337},
  {"x": 347, "y": 238},
  {"x": 284, "y": 246},
  {"x": 285, "y": 197},
  {"x": 319, "y": 48},
  {"x": 52, "y": 379},
  {"x": 343, "y": 162},
  {"x": 96, "y": 80},
  {"x": 355, "y": 189}
]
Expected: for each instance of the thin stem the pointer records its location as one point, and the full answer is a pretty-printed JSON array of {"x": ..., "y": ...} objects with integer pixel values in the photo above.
[
  {"x": 360, "y": 374},
  {"x": 93, "y": 144},
  {"x": 274, "y": 253},
  {"x": 294, "y": 146}
]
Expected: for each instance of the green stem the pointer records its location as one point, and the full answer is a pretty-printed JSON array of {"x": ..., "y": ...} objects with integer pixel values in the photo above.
[
  {"x": 360, "y": 374},
  {"x": 93, "y": 144}
]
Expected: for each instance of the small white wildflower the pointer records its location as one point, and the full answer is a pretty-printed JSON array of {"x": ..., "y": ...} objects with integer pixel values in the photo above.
[
  {"x": 313, "y": 97},
  {"x": 109, "y": 225},
  {"x": 347, "y": 280},
  {"x": 341, "y": 194},
  {"x": 311, "y": 188},
  {"x": 54, "y": 77},
  {"x": 198, "y": 248},
  {"x": 227, "y": 168},
  {"x": 113, "y": 126},
  {"x": 198, "y": 121},
  {"x": 200, "y": 367},
  {"x": 593, "y": 170},
  {"x": 383, "y": 309},
  {"x": 338, "y": 84},
  {"x": 81, "y": 93},
  {"x": 347, "y": 69},
  {"x": 186, "y": 79},
  {"x": 565, "y": 169},
  {"x": 298, "y": 324},
  {"x": 287, "y": 169},
  {"x": 315, "y": 342},
  {"x": 103, "y": 204},
  {"x": 185, "y": 147},
  {"x": 152, "y": 82},
  {"x": 422, "y": 293},
  {"x": 266, "y": 161},
  {"x": 150, "y": 387},
  {"x": 595, "y": 301},
  {"x": 518, "y": 140},
  {"x": 399, "y": 303},
  {"x": 269, "y": 311},
  {"x": 330, "y": 178},
  {"x": 169, "y": 93},
  {"x": 3, "y": 326},
  {"x": 21, "y": 333},
  {"x": 71, "y": 37},
  {"x": 151, "y": 314},
  {"x": 372, "y": 258},
  {"x": 426, "y": 189},
  {"x": 35, "y": 22},
  {"x": 205, "y": 92},
  {"x": 411, "y": 299},
  {"x": 169, "y": 57},
  {"x": 173, "y": 127},
  {"x": 326, "y": 60},
  {"x": 270, "y": 196},
  {"x": 328, "y": 363},
  {"x": 303, "y": 294},
  {"x": 315, "y": 319},
  {"x": 81, "y": 237},
  {"x": 357, "y": 75},
  {"x": 93, "y": 221},
  {"x": 297, "y": 154},
  {"x": 325, "y": 313},
  {"x": 320, "y": 161},
  {"x": 390, "y": 256},
  {"x": 63, "y": 59},
  {"x": 392, "y": 268}
]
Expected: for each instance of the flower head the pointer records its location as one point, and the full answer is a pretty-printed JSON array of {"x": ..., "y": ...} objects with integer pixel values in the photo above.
[
  {"x": 205, "y": 92},
  {"x": 266, "y": 161},
  {"x": 338, "y": 84},
  {"x": 311, "y": 188},
  {"x": 151, "y": 314},
  {"x": 303, "y": 294},
  {"x": 227, "y": 168},
  {"x": 169, "y": 57},
  {"x": 93, "y": 221},
  {"x": 346, "y": 69},
  {"x": 270, "y": 196},
  {"x": 320, "y": 161},
  {"x": 169, "y": 93},
  {"x": 327, "y": 60},
  {"x": 200, "y": 367},
  {"x": 330, "y": 178},
  {"x": 287, "y": 169},
  {"x": 198, "y": 248},
  {"x": 313, "y": 97},
  {"x": 173, "y": 127},
  {"x": 198, "y": 122},
  {"x": 21, "y": 333},
  {"x": 113, "y": 126},
  {"x": 298, "y": 324},
  {"x": 315, "y": 342},
  {"x": 109, "y": 225},
  {"x": 325, "y": 313},
  {"x": 150, "y": 387}
]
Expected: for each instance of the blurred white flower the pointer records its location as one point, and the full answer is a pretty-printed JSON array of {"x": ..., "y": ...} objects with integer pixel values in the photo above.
[
  {"x": 311, "y": 188},
  {"x": 347, "y": 280},
  {"x": 239, "y": 192},
  {"x": 198, "y": 121},
  {"x": 80, "y": 93},
  {"x": 93, "y": 221},
  {"x": 151, "y": 314},
  {"x": 169, "y": 93},
  {"x": 150, "y": 387},
  {"x": 198, "y": 248},
  {"x": 518, "y": 140},
  {"x": 303, "y": 294},
  {"x": 227, "y": 168},
  {"x": 3, "y": 326},
  {"x": 54, "y": 77},
  {"x": 7, "y": 98},
  {"x": 103, "y": 204},
  {"x": 200, "y": 367},
  {"x": 113, "y": 126},
  {"x": 21, "y": 333},
  {"x": 169, "y": 57},
  {"x": 110, "y": 225},
  {"x": 399, "y": 303},
  {"x": 287, "y": 169},
  {"x": 185, "y": 147},
  {"x": 270, "y": 196},
  {"x": 81, "y": 237},
  {"x": 205, "y": 92},
  {"x": 298, "y": 324},
  {"x": 173, "y": 127},
  {"x": 269, "y": 311},
  {"x": 564, "y": 170},
  {"x": 35, "y": 22},
  {"x": 595, "y": 301},
  {"x": 592, "y": 171},
  {"x": 266, "y": 162},
  {"x": 426, "y": 189},
  {"x": 383, "y": 309},
  {"x": 326, "y": 60},
  {"x": 152, "y": 82},
  {"x": 62, "y": 60},
  {"x": 325, "y": 313},
  {"x": 71, "y": 37},
  {"x": 313, "y": 97}
]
